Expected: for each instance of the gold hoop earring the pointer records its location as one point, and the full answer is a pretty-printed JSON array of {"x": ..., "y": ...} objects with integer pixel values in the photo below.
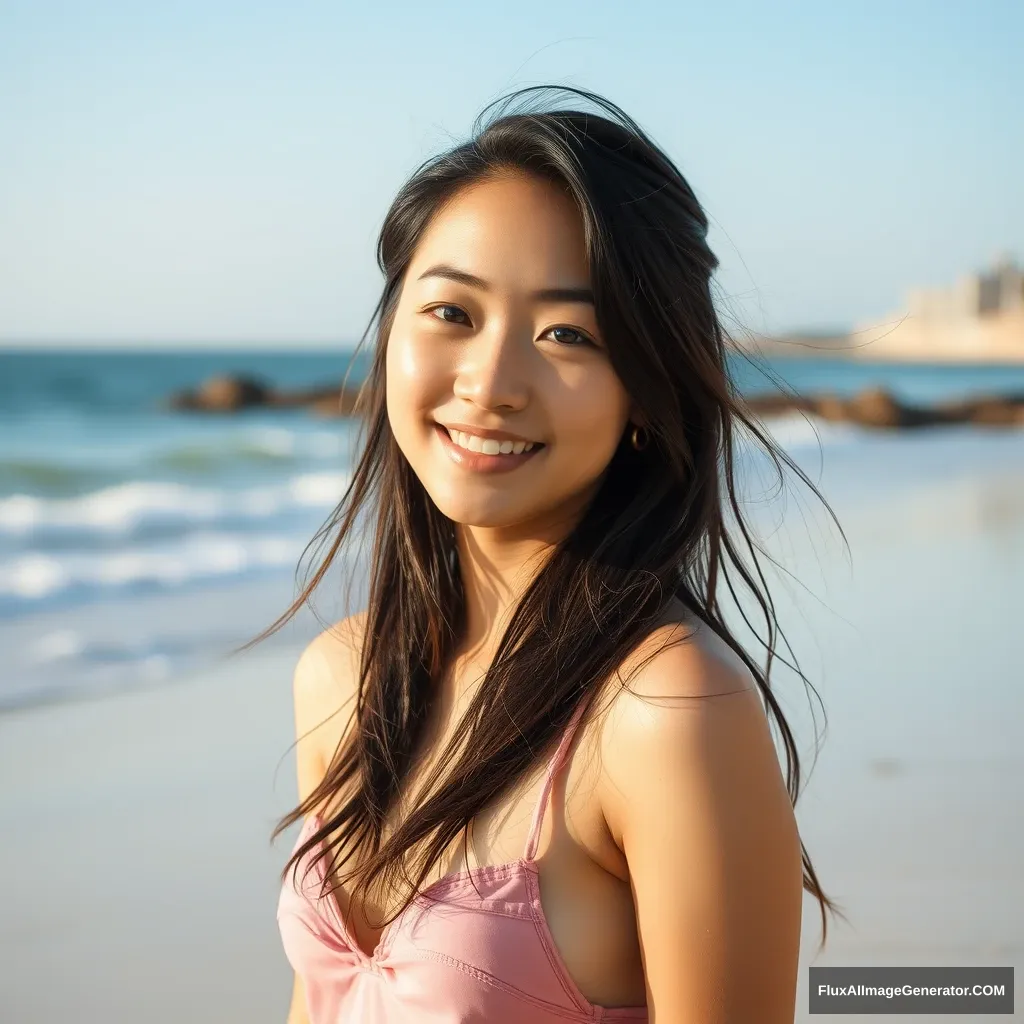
[{"x": 636, "y": 442}]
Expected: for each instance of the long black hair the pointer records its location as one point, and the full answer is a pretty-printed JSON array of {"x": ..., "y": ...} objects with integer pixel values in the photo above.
[{"x": 655, "y": 529}]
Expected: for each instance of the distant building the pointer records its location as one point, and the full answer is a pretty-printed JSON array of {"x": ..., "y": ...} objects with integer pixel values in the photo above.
[{"x": 980, "y": 318}]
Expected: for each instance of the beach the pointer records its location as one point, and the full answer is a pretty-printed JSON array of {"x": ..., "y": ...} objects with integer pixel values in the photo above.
[{"x": 140, "y": 884}]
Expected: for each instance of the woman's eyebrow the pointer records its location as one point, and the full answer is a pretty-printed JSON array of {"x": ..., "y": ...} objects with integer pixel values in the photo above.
[{"x": 541, "y": 295}]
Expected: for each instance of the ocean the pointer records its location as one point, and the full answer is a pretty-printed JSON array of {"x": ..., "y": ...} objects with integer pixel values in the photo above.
[{"x": 137, "y": 543}]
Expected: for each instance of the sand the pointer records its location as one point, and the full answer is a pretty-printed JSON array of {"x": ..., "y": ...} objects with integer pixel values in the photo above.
[{"x": 139, "y": 884}]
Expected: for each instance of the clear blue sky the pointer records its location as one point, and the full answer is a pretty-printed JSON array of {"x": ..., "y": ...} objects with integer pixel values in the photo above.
[{"x": 203, "y": 172}]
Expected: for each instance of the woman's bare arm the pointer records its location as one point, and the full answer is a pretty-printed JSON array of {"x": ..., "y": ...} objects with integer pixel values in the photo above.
[
  {"x": 322, "y": 688},
  {"x": 297, "y": 1013},
  {"x": 693, "y": 793}
]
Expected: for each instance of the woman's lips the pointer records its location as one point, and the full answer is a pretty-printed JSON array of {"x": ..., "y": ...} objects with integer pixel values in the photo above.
[{"x": 478, "y": 462}]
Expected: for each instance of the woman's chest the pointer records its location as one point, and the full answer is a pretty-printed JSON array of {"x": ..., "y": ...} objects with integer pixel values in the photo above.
[{"x": 580, "y": 894}]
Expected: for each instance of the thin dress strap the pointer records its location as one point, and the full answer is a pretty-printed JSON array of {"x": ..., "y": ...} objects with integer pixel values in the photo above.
[{"x": 556, "y": 762}]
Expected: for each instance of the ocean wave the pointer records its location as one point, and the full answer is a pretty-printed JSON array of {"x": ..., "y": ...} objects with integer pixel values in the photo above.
[
  {"x": 267, "y": 445},
  {"x": 127, "y": 508},
  {"x": 73, "y": 646},
  {"x": 56, "y": 664},
  {"x": 49, "y": 477},
  {"x": 89, "y": 462},
  {"x": 35, "y": 578}
]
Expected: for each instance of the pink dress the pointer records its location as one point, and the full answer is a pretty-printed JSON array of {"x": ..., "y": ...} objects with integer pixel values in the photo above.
[{"x": 473, "y": 947}]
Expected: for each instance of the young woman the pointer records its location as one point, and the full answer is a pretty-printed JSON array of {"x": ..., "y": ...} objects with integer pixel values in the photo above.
[{"x": 536, "y": 774}]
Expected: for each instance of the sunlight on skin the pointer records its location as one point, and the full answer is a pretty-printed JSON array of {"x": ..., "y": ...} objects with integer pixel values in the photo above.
[{"x": 500, "y": 358}]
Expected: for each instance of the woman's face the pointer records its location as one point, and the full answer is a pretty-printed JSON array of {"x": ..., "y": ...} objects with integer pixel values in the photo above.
[{"x": 498, "y": 355}]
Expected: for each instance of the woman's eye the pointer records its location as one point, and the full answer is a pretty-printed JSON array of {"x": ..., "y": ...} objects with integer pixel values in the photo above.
[
  {"x": 575, "y": 339},
  {"x": 434, "y": 311},
  {"x": 582, "y": 339}
]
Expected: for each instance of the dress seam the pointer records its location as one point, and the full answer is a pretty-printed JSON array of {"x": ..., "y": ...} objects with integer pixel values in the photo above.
[{"x": 566, "y": 1012}]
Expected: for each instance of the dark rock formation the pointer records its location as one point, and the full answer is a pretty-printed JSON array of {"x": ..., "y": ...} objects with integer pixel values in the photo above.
[
  {"x": 873, "y": 407},
  {"x": 878, "y": 408},
  {"x": 231, "y": 393},
  {"x": 222, "y": 394},
  {"x": 988, "y": 410}
]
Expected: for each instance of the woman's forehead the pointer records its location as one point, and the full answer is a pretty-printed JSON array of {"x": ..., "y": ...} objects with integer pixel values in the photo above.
[{"x": 508, "y": 235}]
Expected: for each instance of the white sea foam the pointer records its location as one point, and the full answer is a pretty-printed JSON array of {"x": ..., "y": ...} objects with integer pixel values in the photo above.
[
  {"x": 36, "y": 577},
  {"x": 59, "y": 646},
  {"x": 124, "y": 508}
]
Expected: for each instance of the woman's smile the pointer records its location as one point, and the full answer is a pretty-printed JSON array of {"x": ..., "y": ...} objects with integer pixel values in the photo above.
[{"x": 485, "y": 455}]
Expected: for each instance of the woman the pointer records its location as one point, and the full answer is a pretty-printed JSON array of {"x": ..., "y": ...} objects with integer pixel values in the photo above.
[{"x": 536, "y": 775}]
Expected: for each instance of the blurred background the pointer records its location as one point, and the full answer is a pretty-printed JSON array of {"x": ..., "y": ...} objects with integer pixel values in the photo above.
[{"x": 189, "y": 201}]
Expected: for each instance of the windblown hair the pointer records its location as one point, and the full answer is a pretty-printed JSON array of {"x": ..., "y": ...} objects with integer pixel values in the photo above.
[{"x": 655, "y": 528}]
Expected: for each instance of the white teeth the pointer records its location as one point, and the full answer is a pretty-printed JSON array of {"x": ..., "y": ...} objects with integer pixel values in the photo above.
[{"x": 488, "y": 445}]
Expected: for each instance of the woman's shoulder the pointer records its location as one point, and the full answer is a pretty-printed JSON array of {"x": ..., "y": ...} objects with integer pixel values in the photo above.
[
  {"x": 681, "y": 658},
  {"x": 328, "y": 668},
  {"x": 324, "y": 687},
  {"x": 686, "y": 727}
]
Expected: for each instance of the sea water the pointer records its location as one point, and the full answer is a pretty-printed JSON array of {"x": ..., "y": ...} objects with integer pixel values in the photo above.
[{"x": 136, "y": 542}]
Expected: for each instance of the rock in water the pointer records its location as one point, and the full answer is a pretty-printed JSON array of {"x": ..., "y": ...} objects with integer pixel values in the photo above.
[
  {"x": 223, "y": 394},
  {"x": 227, "y": 393},
  {"x": 876, "y": 407}
]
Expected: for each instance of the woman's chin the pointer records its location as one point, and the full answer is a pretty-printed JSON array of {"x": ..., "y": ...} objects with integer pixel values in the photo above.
[
  {"x": 483, "y": 515},
  {"x": 508, "y": 510},
  {"x": 461, "y": 506}
]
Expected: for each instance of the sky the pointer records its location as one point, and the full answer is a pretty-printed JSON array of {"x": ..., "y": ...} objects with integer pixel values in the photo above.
[{"x": 209, "y": 173}]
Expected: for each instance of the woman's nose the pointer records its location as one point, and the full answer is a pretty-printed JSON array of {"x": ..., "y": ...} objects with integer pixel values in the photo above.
[{"x": 493, "y": 370}]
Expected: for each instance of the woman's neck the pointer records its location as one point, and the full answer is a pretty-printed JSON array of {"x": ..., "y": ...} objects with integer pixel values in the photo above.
[{"x": 494, "y": 577}]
